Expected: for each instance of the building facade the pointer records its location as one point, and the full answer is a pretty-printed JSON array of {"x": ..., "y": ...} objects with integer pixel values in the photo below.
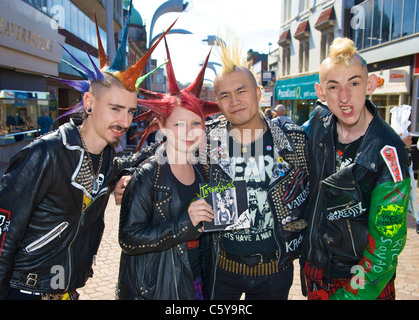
[{"x": 386, "y": 34}]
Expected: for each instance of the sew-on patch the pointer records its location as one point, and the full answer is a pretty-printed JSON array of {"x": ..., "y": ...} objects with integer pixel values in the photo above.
[
  {"x": 4, "y": 226},
  {"x": 390, "y": 219},
  {"x": 391, "y": 159}
]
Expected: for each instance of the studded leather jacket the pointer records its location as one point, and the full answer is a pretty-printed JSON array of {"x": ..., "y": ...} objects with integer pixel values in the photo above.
[
  {"x": 287, "y": 193},
  {"x": 153, "y": 235},
  {"x": 50, "y": 224},
  {"x": 357, "y": 215}
]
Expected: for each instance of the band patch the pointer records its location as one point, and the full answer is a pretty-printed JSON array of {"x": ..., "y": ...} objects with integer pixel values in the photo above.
[
  {"x": 390, "y": 219},
  {"x": 391, "y": 159},
  {"x": 4, "y": 226}
]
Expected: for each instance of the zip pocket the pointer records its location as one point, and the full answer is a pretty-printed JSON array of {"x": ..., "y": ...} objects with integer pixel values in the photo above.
[
  {"x": 45, "y": 239},
  {"x": 348, "y": 224}
]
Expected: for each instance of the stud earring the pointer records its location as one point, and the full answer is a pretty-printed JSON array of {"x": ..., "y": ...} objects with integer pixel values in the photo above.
[{"x": 89, "y": 110}]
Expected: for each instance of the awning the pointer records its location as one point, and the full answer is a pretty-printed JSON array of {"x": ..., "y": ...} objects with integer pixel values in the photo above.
[
  {"x": 285, "y": 38},
  {"x": 326, "y": 19},
  {"x": 299, "y": 88},
  {"x": 303, "y": 30}
]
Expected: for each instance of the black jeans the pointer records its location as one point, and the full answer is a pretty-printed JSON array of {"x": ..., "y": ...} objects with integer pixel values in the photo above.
[{"x": 231, "y": 286}]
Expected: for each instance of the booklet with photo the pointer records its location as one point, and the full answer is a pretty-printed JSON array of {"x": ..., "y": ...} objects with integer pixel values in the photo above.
[{"x": 229, "y": 201}]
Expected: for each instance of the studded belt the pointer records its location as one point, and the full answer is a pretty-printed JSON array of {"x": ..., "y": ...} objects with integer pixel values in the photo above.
[{"x": 255, "y": 265}]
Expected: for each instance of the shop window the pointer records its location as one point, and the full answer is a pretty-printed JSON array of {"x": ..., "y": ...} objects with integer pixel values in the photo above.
[
  {"x": 286, "y": 14},
  {"x": 368, "y": 23},
  {"x": 19, "y": 112},
  {"x": 304, "y": 55},
  {"x": 286, "y": 59},
  {"x": 417, "y": 17},
  {"x": 396, "y": 20},
  {"x": 385, "y": 25},
  {"x": 408, "y": 17},
  {"x": 385, "y": 20},
  {"x": 377, "y": 23},
  {"x": 326, "y": 41}
]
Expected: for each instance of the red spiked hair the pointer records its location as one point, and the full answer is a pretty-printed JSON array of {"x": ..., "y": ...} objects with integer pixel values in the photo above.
[{"x": 162, "y": 105}]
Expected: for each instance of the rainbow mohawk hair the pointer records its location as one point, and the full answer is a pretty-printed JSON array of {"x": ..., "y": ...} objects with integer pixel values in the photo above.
[
  {"x": 161, "y": 105},
  {"x": 130, "y": 78}
]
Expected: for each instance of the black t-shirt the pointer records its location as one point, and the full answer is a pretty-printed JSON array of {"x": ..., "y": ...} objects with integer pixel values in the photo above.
[
  {"x": 254, "y": 164},
  {"x": 103, "y": 169},
  {"x": 345, "y": 152},
  {"x": 188, "y": 194}
]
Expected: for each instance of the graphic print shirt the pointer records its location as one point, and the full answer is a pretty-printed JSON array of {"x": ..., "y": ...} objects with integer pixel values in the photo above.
[{"x": 254, "y": 164}]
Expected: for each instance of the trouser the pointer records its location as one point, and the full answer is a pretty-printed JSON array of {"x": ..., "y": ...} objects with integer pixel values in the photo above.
[
  {"x": 315, "y": 287},
  {"x": 275, "y": 286}
]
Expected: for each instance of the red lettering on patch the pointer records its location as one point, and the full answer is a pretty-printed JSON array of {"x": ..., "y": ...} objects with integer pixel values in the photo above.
[{"x": 4, "y": 226}]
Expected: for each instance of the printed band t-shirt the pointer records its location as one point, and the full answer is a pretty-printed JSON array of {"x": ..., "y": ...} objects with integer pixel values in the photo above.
[{"x": 253, "y": 163}]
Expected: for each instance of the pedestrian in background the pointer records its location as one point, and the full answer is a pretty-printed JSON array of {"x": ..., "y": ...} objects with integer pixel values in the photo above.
[{"x": 44, "y": 123}]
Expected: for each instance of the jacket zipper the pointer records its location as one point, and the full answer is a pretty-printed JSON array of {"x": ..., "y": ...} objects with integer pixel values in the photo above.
[
  {"x": 81, "y": 223},
  {"x": 47, "y": 238},
  {"x": 316, "y": 207},
  {"x": 351, "y": 236}
]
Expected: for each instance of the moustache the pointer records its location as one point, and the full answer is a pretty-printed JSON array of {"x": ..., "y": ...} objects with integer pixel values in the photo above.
[{"x": 119, "y": 128}]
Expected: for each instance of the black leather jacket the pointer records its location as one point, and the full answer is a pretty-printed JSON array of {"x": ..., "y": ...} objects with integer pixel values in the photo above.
[
  {"x": 340, "y": 206},
  {"x": 48, "y": 242},
  {"x": 287, "y": 194},
  {"x": 153, "y": 235}
]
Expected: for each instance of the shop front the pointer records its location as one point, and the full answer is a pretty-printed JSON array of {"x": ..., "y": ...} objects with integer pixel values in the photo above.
[
  {"x": 29, "y": 51},
  {"x": 298, "y": 95},
  {"x": 393, "y": 89}
]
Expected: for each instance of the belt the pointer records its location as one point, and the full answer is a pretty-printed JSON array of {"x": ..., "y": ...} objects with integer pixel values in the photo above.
[{"x": 254, "y": 265}]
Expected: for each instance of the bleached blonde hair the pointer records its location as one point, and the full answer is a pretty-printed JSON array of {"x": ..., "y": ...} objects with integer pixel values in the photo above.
[
  {"x": 342, "y": 51},
  {"x": 230, "y": 52}
]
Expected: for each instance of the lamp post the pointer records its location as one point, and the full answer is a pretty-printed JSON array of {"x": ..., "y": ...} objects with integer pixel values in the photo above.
[
  {"x": 214, "y": 40},
  {"x": 211, "y": 65},
  {"x": 110, "y": 39},
  {"x": 172, "y": 31},
  {"x": 168, "y": 6}
]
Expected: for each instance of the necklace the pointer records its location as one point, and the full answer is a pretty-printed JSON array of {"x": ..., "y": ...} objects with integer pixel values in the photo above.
[
  {"x": 244, "y": 146},
  {"x": 95, "y": 176}
]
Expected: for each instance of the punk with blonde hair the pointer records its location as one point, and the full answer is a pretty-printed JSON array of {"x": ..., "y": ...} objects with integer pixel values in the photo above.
[{"x": 343, "y": 51}]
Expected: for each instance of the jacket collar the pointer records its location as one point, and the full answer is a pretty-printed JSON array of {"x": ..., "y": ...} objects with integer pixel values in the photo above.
[
  {"x": 72, "y": 141},
  {"x": 70, "y": 134}
]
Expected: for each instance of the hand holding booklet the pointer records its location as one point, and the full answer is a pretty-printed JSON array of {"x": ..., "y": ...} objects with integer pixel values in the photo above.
[{"x": 229, "y": 202}]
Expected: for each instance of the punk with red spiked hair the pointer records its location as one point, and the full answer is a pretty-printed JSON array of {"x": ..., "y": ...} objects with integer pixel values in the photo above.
[
  {"x": 161, "y": 215},
  {"x": 161, "y": 105}
]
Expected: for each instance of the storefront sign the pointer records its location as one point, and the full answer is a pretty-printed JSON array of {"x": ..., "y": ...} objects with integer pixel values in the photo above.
[
  {"x": 393, "y": 80},
  {"x": 299, "y": 88},
  {"x": 28, "y": 37}
]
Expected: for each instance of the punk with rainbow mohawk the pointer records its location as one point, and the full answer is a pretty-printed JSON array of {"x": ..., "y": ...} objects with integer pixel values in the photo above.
[
  {"x": 130, "y": 78},
  {"x": 161, "y": 105}
]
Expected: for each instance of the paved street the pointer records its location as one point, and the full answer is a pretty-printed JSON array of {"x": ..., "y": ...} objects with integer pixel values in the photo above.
[{"x": 102, "y": 285}]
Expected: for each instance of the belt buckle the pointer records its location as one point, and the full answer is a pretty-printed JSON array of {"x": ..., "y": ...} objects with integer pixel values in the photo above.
[
  {"x": 31, "y": 279},
  {"x": 261, "y": 257}
]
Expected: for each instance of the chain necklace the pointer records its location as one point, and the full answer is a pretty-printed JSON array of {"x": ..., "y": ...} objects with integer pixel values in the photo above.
[{"x": 90, "y": 162}]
